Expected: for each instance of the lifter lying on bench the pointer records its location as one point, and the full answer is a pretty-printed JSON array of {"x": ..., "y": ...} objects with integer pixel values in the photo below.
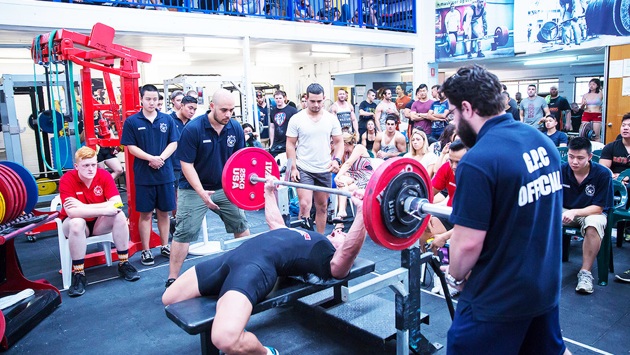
[{"x": 241, "y": 278}]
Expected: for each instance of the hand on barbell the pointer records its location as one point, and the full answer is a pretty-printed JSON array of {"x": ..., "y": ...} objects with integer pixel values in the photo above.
[
  {"x": 357, "y": 199},
  {"x": 270, "y": 187}
]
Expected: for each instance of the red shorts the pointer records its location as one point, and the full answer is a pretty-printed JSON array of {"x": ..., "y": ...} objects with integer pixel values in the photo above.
[{"x": 592, "y": 117}]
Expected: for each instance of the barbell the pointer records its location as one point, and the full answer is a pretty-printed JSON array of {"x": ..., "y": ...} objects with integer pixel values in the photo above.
[
  {"x": 500, "y": 38},
  {"x": 396, "y": 204}
]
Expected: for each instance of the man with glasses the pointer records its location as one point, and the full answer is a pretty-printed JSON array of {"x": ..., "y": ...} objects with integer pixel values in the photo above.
[{"x": 588, "y": 194}]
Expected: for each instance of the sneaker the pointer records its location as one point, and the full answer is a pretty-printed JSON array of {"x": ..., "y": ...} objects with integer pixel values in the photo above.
[
  {"x": 166, "y": 251},
  {"x": 128, "y": 272},
  {"x": 480, "y": 55},
  {"x": 307, "y": 223},
  {"x": 469, "y": 55},
  {"x": 169, "y": 282},
  {"x": 77, "y": 288},
  {"x": 272, "y": 351},
  {"x": 146, "y": 258},
  {"x": 625, "y": 277},
  {"x": 585, "y": 282}
]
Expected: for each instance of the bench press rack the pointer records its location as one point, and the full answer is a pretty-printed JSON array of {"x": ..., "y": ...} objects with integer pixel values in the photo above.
[{"x": 196, "y": 315}]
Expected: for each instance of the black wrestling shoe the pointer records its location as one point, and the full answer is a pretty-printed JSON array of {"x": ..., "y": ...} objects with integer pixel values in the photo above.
[
  {"x": 77, "y": 288},
  {"x": 307, "y": 223},
  {"x": 128, "y": 272},
  {"x": 480, "y": 55},
  {"x": 165, "y": 251},
  {"x": 169, "y": 282}
]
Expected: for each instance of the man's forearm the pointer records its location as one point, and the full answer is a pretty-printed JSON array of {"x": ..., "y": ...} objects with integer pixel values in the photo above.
[
  {"x": 168, "y": 151},
  {"x": 138, "y": 153},
  {"x": 188, "y": 169}
]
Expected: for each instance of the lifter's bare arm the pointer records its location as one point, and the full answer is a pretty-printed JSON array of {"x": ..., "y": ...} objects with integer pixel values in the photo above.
[
  {"x": 272, "y": 212},
  {"x": 344, "y": 257}
]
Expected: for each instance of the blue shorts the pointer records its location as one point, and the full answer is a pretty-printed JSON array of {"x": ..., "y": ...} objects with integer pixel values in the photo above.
[
  {"x": 150, "y": 197},
  {"x": 538, "y": 335}
]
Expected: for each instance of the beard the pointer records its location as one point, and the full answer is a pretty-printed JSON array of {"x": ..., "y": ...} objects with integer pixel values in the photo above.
[{"x": 466, "y": 133}]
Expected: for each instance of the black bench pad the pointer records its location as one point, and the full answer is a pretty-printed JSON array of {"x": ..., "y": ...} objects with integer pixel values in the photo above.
[{"x": 196, "y": 315}]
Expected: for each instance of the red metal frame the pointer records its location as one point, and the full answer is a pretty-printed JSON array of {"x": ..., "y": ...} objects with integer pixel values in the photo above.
[{"x": 98, "y": 52}]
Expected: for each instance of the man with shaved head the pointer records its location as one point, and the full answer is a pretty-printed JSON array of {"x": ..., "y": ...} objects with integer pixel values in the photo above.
[{"x": 205, "y": 145}]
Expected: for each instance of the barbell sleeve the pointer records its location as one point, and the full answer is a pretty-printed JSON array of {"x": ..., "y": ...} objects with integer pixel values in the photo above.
[
  {"x": 420, "y": 206},
  {"x": 255, "y": 179}
]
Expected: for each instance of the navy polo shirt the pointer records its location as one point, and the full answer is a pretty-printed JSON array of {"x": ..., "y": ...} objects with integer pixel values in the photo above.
[
  {"x": 177, "y": 166},
  {"x": 596, "y": 189},
  {"x": 514, "y": 194},
  {"x": 208, "y": 151},
  {"x": 152, "y": 138}
]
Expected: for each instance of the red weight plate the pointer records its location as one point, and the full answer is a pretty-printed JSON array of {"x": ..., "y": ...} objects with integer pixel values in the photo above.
[
  {"x": 236, "y": 177},
  {"x": 374, "y": 221},
  {"x": 7, "y": 192},
  {"x": 32, "y": 192},
  {"x": 20, "y": 190},
  {"x": 16, "y": 194}
]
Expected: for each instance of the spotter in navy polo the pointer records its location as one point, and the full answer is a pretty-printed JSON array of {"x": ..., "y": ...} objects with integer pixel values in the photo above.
[
  {"x": 208, "y": 151},
  {"x": 177, "y": 166},
  {"x": 596, "y": 188},
  {"x": 152, "y": 138}
]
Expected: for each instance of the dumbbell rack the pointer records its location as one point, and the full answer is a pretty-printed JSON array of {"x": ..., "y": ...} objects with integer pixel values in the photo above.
[{"x": 19, "y": 319}]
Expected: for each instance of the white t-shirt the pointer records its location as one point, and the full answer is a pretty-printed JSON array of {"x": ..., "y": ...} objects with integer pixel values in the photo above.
[{"x": 313, "y": 145}]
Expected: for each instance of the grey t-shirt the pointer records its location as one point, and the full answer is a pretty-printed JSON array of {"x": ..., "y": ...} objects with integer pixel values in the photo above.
[{"x": 533, "y": 110}]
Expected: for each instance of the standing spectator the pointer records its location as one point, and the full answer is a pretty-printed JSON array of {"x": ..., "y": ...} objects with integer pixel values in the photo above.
[
  {"x": 497, "y": 216},
  {"x": 576, "y": 117},
  {"x": 88, "y": 195},
  {"x": 386, "y": 108},
  {"x": 513, "y": 105},
  {"x": 393, "y": 142},
  {"x": 559, "y": 138},
  {"x": 345, "y": 113},
  {"x": 176, "y": 100},
  {"x": 419, "y": 150},
  {"x": 533, "y": 107},
  {"x": 303, "y": 102},
  {"x": 592, "y": 103},
  {"x": 559, "y": 107},
  {"x": 401, "y": 98},
  {"x": 420, "y": 110},
  {"x": 438, "y": 114},
  {"x": 151, "y": 137},
  {"x": 435, "y": 89},
  {"x": 588, "y": 195},
  {"x": 182, "y": 115},
  {"x": 508, "y": 108},
  {"x": 263, "y": 115},
  {"x": 308, "y": 144},
  {"x": 372, "y": 137},
  {"x": 278, "y": 124},
  {"x": 518, "y": 99},
  {"x": 366, "y": 111},
  {"x": 206, "y": 144}
]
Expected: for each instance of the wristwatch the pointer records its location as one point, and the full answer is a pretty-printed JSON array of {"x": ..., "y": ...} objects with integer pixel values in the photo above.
[
  {"x": 337, "y": 160},
  {"x": 451, "y": 280}
]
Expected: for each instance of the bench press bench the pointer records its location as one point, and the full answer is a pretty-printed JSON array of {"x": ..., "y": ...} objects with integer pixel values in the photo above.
[{"x": 196, "y": 315}]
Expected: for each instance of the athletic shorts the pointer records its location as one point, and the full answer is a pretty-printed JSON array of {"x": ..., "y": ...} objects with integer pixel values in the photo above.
[
  {"x": 235, "y": 272},
  {"x": 591, "y": 117},
  {"x": 105, "y": 153},
  {"x": 150, "y": 197},
  {"x": 537, "y": 335},
  {"x": 597, "y": 221},
  {"x": 315, "y": 179},
  {"x": 191, "y": 209}
]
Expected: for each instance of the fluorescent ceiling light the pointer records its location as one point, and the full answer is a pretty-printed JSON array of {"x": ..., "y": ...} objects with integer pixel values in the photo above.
[
  {"x": 330, "y": 48},
  {"x": 551, "y": 60},
  {"x": 329, "y": 55}
]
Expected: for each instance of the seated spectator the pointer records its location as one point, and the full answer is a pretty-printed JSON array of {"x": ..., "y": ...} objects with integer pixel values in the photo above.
[
  {"x": 559, "y": 138},
  {"x": 303, "y": 10},
  {"x": 88, "y": 195},
  {"x": 328, "y": 14},
  {"x": 251, "y": 7},
  {"x": 587, "y": 196},
  {"x": 369, "y": 14},
  {"x": 615, "y": 155},
  {"x": 251, "y": 137},
  {"x": 354, "y": 173},
  {"x": 393, "y": 142},
  {"x": 419, "y": 150},
  {"x": 371, "y": 139},
  {"x": 576, "y": 117},
  {"x": 440, "y": 148}
]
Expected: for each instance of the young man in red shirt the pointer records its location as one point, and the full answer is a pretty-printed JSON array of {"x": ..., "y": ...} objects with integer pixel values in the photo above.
[{"x": 89, "y": 197}]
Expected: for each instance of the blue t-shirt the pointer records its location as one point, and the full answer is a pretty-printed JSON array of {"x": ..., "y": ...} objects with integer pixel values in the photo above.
[
  {"x": 514, "y": 194},
  {"x": 439, "y": 107},
  {"x": 177, "y": 166},
  {"x": 595, "y": 189},
  {"x": 152, "y": 138},
  {"x": 208, "y": 151},
  {"x": 558, "y": 137}
]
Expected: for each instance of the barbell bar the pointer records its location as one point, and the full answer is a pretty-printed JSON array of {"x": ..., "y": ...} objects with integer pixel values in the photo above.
[{"x": 396, "y": 203}]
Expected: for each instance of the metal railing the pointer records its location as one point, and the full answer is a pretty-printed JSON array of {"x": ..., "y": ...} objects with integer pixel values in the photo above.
[{"x": 392, "y": 15}]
